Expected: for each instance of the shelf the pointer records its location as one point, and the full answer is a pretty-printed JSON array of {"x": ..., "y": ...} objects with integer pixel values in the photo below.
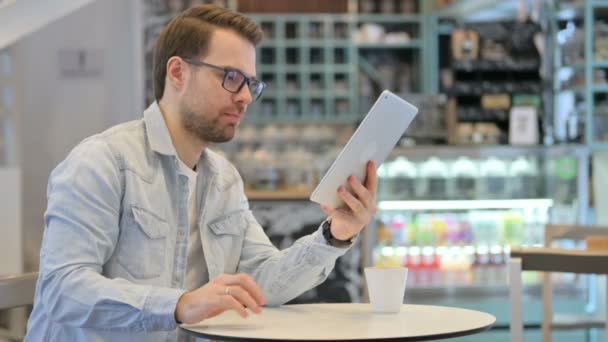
[
  {"x": 484, "y": 151},
  {"x": 389, "y": 18},
  {"x": 267, "y": 68},
  {"x": 413, "y": 44},
  {"x": 479, "y": 10},
  {"x": 299, "y": 17},
  {"x": 303, "y": 43},
  {"x": 469, "y": 88},
  {"x": 578, "y": 89},
  {"x": 600, "y": 64},
  {"x": 292, "y": 94},
  {"x": 577, "y": 65},
  {"x": 540, "y": 203},
  {"x": 600, "y": 88},
  {"x": 254, "y": 195},
  {"x": 482, "y": 115},
  {"x": 442, "y": 250},
  {"x": 599, "y": 146},
  {"x": 269, "y": 94},
  {"x": 341, "y": 119},
  {"x": 304, "y": 68},
  {"x": 335, "y": 68},
  {"x": 496, "y": 66},
  {"x": 599, "y": 3},
  {"x": 485, "y": 290}
]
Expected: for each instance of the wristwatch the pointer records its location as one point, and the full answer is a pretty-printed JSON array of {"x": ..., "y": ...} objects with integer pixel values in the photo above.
[{"x": 331, "y": 240}]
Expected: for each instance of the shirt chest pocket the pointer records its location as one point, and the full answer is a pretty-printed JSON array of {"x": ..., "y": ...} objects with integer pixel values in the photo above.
[
  {"x": 227, "y": 233},
  {"x": 142, "y": 243}
]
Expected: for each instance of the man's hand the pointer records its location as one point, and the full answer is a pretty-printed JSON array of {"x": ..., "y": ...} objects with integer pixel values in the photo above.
[
  {"x": 226, "y": 292},
  {"x": 349, "y": 220}
]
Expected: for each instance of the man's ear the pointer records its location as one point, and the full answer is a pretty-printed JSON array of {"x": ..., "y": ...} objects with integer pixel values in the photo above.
[{"x": 176, "y": 73}]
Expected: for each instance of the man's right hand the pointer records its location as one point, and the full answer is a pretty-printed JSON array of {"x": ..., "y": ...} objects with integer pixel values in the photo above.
[{"x": 226, "y": 292}]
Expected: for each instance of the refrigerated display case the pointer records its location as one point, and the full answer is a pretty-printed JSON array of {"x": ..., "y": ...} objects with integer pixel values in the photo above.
[{"x": 451, "y": 215}]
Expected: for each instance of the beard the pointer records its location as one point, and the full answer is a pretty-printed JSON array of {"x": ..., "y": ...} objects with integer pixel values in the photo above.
[{"x": 206, "y": 129}]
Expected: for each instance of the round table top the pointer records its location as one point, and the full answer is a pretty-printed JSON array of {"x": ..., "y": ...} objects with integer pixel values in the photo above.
[{"x": 343, "y": 322}]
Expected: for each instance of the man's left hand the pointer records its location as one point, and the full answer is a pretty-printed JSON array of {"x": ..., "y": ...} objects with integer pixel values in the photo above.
[{"x": 360, "y": 205}]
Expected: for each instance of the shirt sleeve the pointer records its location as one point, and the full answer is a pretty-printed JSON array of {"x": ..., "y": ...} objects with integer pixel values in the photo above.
[
  {"x": 284, "y": 275},
  {"x": 81, "y": 231}
]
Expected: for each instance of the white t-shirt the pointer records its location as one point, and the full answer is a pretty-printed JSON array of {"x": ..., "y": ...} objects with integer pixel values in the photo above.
[{"x": 195, "y": 263}]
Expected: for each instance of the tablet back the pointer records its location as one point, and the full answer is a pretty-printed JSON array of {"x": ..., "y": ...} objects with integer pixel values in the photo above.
[{"x": 374, "y": 139}]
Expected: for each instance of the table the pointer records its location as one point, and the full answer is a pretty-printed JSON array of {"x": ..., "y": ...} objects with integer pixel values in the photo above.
[
  {"x": 548, "y": 260},
  {"x": 343, "y": 322}
]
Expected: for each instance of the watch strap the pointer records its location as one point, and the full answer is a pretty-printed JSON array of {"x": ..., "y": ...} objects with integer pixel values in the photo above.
[{"x": 331, "y": 240}]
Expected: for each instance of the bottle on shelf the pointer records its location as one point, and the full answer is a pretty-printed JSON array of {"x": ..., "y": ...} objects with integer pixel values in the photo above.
[
  {"x": 512, "y": 229},
  {"x": 480, "y": 264},
  {"x": 397, "y": 226}
]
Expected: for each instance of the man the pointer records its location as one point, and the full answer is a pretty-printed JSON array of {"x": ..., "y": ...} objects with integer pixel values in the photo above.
[{"x": 147, "y": 228}]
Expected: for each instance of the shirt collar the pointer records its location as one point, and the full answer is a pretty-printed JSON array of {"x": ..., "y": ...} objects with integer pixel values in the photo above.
[
  {"x": 157, "y": 131},
  {"x": 160, "y": 139}
]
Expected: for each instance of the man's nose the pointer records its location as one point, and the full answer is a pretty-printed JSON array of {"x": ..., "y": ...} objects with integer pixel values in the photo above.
[{"x": 244, "y": 95}]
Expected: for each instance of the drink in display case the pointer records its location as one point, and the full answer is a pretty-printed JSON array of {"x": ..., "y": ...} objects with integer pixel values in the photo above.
[{"x": 457, "y": 248}]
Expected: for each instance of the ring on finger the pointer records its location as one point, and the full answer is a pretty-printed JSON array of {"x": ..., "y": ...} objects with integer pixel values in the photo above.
[{"x": 227, "y": 291}]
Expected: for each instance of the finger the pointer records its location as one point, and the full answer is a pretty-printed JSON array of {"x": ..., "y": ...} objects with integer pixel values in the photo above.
[
  {"x": 244, "y": 298},
  {"x": 230, "y": 303},
  {"x": 354, "y": 204},
  {"x": 249, "y": 285},
  {"x": 362, "y": 193},
  {"x": 371, "y": 179}
]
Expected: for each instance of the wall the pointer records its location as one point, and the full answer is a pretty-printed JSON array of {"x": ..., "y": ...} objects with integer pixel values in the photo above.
[
  {"x": 60, "y": 108},
  {"x": 10, "y": 254},
  {"x": 21, "y": 17}
]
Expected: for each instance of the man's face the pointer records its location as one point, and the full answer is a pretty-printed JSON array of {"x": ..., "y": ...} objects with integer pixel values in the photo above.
[{"x": 208, "y": 111}]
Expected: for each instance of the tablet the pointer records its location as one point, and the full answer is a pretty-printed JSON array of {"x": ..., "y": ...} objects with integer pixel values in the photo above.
[{"x": 374, "y": 139}]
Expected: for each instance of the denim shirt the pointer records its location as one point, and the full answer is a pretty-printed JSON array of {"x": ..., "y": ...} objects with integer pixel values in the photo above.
[{"x": 113, "y": 255}]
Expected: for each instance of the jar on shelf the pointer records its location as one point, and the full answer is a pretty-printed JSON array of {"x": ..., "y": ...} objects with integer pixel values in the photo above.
[
  {"x": 524, "y": 173},
  {"x": 433, "y": 179},
  {"x": 265, "y": 174},
  {"x": 400, "y": 180},
  {"x": 297, "y": 169},
  {"x": 465, "y": 173},
  {"x": 493, "y": 179}
]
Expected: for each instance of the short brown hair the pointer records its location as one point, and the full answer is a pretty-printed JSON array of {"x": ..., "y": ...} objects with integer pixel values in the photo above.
[{"x": 188, "y": 35}]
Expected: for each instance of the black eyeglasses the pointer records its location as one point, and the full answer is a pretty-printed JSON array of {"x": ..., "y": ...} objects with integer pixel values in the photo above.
[{"x": 234, "y": 80}]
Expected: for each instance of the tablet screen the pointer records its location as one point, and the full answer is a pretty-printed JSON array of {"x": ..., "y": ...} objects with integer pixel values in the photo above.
[{"x": 374, "y": 140}]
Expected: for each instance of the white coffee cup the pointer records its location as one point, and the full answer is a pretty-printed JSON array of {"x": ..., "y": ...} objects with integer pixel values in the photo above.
[{"x": 386, "y": 288}]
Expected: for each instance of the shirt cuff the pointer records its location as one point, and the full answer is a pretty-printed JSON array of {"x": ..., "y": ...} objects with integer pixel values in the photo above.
[
  {"x": 159, "y": 309},
  {"x": 319, "y": 238}
]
